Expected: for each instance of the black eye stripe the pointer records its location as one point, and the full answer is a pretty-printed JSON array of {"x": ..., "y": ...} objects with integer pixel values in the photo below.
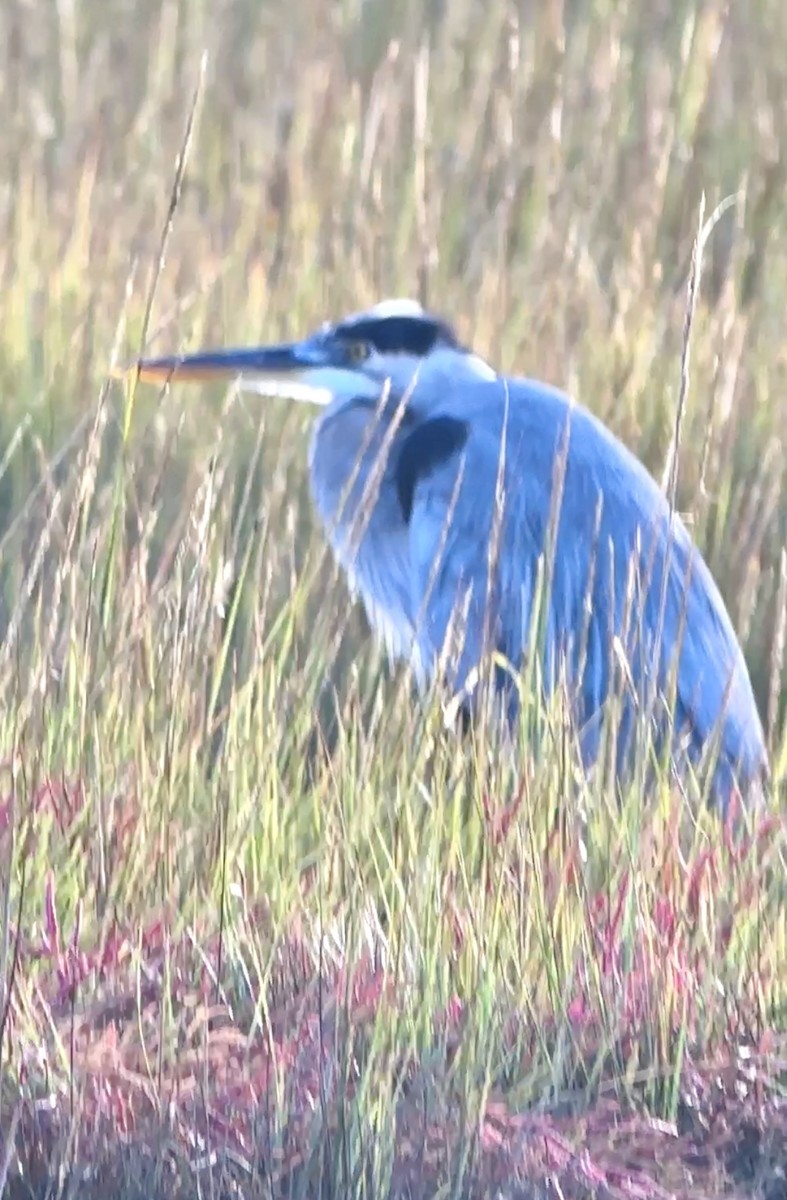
[{"x": 399, "y": 334}]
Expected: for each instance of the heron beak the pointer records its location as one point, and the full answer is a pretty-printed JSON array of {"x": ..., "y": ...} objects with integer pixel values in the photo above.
[
  {"x": 290, "y": 358},
  {"x": 301, "y": 371}
]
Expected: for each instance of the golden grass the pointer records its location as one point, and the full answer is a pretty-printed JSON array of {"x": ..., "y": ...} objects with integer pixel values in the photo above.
[{"x": 257, "y": 915}]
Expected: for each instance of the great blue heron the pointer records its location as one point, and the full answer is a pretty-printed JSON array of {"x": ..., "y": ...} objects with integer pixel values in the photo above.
[{"x": 457, "y": 520}]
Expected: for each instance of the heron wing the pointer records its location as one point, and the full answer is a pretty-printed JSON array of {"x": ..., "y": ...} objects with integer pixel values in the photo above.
[
  {"x": 453, "y": 514},
  {"x": 679, "y": 607}
]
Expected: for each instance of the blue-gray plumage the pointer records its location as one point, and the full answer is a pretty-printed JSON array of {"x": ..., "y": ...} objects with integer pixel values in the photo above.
[{"x": 436, "y": 480}]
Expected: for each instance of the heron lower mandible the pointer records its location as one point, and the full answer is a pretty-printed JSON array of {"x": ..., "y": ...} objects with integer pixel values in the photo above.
[{"x": 445, "y": 489}]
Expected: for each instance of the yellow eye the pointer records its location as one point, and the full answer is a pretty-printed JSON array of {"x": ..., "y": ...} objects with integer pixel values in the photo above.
[{"x": 357, "y": 351}]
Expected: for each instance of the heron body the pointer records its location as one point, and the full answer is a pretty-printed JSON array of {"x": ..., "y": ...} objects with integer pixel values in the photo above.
[{"x": 451, "y": 495}]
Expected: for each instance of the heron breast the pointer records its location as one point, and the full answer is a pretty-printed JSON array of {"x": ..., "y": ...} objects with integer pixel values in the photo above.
[{"x": 378, "y": 574}]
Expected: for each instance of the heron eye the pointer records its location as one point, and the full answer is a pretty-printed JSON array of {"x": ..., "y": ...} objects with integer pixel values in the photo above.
[{"x": 357, "y": 351}]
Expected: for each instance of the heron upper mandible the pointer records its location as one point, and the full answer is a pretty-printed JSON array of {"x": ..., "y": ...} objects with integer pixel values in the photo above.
[{"x": 436, "y": 481}]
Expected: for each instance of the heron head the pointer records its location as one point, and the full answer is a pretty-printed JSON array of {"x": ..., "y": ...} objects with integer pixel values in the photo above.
[{"x": 395, "y": 343}]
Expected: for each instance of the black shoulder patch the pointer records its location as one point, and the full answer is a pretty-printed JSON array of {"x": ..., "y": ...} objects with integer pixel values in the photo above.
[
  {"x": 417, "y": 335},
  {"x": 431, "y": 443}
]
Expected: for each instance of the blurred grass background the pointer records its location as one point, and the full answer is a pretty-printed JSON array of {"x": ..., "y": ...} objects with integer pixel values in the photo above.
[
  {"x": 532, "y": 170},
  {"x": 169, "y": 622}
]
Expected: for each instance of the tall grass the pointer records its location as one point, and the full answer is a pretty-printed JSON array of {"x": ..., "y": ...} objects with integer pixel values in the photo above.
[{"x": 264, "y": 930}]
